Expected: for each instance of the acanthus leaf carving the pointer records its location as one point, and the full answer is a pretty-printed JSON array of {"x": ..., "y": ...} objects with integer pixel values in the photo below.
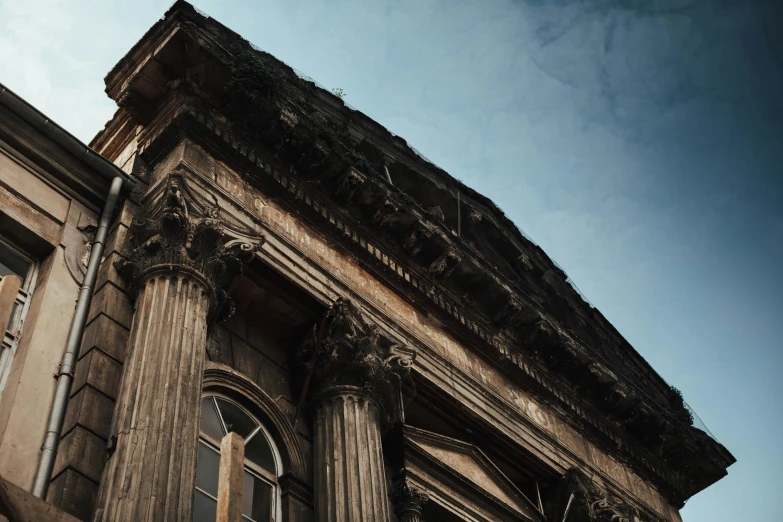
[
  {"x": 592, "y": 502},
  {"x": 179, "y": 229},
  {"x": 516, "y": 314},
  {"x": 345, "y": 349},
  {"x": 408, "y": 498},
  {"x": 385, "y": 211}
]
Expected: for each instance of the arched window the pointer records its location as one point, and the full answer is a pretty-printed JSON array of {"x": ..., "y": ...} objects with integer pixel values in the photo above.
[{"x": 261, "y": 496}]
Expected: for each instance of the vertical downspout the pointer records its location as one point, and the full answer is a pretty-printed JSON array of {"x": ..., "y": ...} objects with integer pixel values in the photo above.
[{"x": 43, "y": 473}]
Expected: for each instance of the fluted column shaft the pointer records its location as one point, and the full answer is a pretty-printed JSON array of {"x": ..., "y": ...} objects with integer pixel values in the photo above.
[
  {"x": 410, "y": 516},
  {"x": 350, "y": 483},
  {"x": 150, "y": 474}
]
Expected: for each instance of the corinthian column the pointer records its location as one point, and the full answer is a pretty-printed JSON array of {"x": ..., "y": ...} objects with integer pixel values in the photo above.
[
  {"x": 408, "y": 501},
  {"x": 356, "y": 383},
  {"x": 182, "y": 260}
]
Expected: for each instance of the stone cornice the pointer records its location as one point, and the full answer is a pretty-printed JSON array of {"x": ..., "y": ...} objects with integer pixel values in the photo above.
[
  {"x": 415, "y": 250},
  {"x": 323, "y": 216}
]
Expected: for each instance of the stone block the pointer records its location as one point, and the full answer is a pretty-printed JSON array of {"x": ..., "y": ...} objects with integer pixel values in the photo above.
[
  {"x": 82, "y": 451},
  {"x": 295, "y": 507},
  {"x": 246, "y": 360},
  {"x": 117, "y": 240},
  {"x": 106, "y": 335},
  {"x": 107, "y": 273},
  {"x": 273, "y": 379},
  {"x": 73, "y": 493},
  {"x": 112, "y": 301},
  {"x": 258, "y": 339},
  {"x": 219, "y": 345},
  {"x": 237, "y": 324},
  {"x": 127, "y": 212},
  {"x": 99, "y": 371},
  {"x": 90, "y": 409}
]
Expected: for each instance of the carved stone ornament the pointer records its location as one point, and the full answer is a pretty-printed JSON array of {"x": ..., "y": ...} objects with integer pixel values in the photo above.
[
  {"x": 407, "y": 498},
  {"x": 593, "y": 503},
  {"x": 179, "y": 228},
  {"x": 416, "y": 238},
  {"x": 445, "y": 264},
  {"x": 348, "y": 350}
]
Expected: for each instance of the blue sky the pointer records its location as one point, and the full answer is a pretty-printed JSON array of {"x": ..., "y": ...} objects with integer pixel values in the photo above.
[{"x": 637, "y": 141}]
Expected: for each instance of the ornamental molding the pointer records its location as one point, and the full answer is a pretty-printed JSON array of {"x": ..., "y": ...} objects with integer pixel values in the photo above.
[
  {"x": 222, "y": 378},
  {"x": 458, "y": 470},
  {"x": 182, "y": 229}
]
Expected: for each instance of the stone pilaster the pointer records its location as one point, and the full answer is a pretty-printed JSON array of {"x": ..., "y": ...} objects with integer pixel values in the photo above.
[
  {"x": 356, "y": 384},
  {"x": 182, "y": 261},
  {"x": 408, "y": 501}
]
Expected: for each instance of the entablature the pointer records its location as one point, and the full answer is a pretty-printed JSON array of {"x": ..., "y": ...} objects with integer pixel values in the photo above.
[{"x": 191, "y": 77}]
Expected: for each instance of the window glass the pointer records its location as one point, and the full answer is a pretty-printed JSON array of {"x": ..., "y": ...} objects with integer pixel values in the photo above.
[
  {"x": 260, "y": 491},
  {"x": 207, "y": 469},
  {"x": 257, "y": 450},
  {"x": 257, "y": 499},
  {"x": 12, "y": 263},
  {"x": 236, "y": 420},
  {"x": 210, "y": 423},
  {"x": 12, "y": 317},
  {"x": 204, "y": 508}
]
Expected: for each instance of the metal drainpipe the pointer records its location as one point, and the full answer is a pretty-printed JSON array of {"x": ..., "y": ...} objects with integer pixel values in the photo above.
[{"x": 43, "y": 474}]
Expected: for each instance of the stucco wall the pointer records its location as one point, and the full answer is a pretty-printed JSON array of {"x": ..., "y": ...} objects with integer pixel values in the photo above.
[{"x": 43, "y": 220}]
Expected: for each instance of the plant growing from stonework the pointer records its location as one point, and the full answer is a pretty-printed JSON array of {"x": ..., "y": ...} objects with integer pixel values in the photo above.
[
  {"x": 337, "y": 91},
  {"x": 252, "y": 77},
  {"x": 678, "y": 411}
]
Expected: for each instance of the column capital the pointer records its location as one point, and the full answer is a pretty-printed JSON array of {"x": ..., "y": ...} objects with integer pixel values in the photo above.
[
  {"x": 408, "y": 499},
  {"x": 346, "y": 350},
  {"x": 181, "y": 229},
  {"x": 593, "y": 503}
]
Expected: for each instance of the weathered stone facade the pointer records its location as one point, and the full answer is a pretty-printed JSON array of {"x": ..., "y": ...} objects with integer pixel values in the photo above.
[{"x": 407, "y": 353}]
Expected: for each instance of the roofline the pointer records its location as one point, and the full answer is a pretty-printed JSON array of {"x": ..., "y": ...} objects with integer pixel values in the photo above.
[{"x": 67, "y": 141}]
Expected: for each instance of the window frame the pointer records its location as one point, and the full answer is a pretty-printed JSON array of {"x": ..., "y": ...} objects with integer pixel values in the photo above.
[
  {"x": 254, "y": 469},
  {"x": 11, "y": 336}
]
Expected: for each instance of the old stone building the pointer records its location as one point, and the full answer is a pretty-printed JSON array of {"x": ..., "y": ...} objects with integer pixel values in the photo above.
[{"x": 279, "y": 265}]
